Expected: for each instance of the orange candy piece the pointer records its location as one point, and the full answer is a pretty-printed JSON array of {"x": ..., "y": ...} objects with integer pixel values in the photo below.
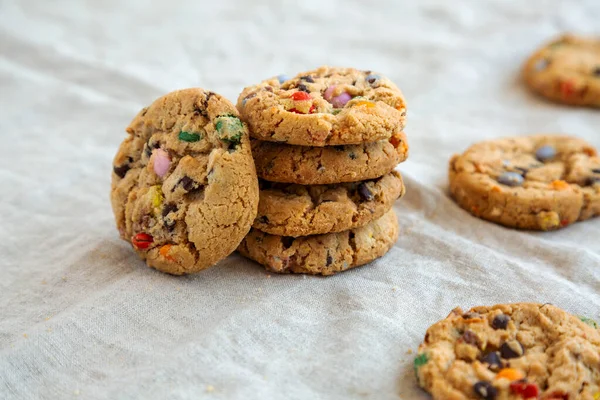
[
  {"x": 510, "y": 373},
  {"x": 164, "y": 251},
  {"x": 560, "y": 185},
  {"x": 365, "y": 103}
]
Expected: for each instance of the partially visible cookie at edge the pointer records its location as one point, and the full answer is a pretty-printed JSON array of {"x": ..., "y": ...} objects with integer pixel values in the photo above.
[
  {"x": 322, "y": 254},
  {"x": 305, "y": 165},
  {"x": 322, "y": 107},
  {"x": 299, "y": 210},
  {"x": 184, "y": 187},
  {"x": 539, "y": 182},
  {"x": 510, "y": 351},
  {"x": 566, "y": 70}
]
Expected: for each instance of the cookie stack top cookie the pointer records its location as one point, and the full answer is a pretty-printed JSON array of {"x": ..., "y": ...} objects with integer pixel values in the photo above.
[{"x": 322, "y": 107}]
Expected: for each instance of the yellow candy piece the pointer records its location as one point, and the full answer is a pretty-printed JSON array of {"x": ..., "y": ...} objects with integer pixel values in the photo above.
[
  {"x": 597, "y": 396},
  {"x": 548, "y": 220},
  {"x": 157, "y": 196},
  {"x": 368, "y": 104},
  {"x": 510, "y": 373}
]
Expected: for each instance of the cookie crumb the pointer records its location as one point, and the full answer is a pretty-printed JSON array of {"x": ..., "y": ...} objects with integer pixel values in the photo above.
[
  {"x": 76, "y": 392},
  {"x": 210, "y": 389},
  {"x": 44, "y": 282},
  {"x": 25, "y": 335},
  {"x": 409, "y": 351}
]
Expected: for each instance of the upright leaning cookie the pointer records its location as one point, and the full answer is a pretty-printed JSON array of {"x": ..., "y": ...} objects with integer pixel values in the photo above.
[
  {"x": 184, "y": 188},
  {"x": 541, "y": 182},
  {"x": 566, "y": 70},
  {"x": 322, "y": 254},
  {"x": 326, "y": 106},
  {"x": 511, "y": 352},
  {"x": 277, "y": 162}
]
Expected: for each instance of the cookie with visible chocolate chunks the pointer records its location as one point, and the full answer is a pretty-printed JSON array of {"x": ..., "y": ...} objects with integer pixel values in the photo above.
[
  {"x": 566, "y": 70},
  {"x": 540, "y": 182},
  {"x": 277, "y": 162},
  {"x": 184, "y": 188},
  {"x": 322, "y": 107},
  {"x": 322, "y": 254},
  {"x": 300, "y": 210},
  {"x": 510, "y": 352}
]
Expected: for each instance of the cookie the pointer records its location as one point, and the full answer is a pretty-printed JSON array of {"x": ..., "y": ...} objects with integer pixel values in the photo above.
[
  {"x": 305, "y": 165},
  {"x": 184, "y": 188},
  {"x": 566, "y": 70},
  {"x": 540, "y": 182},
  {"x": 325, "y": 106},
  {"x": 510, "y": 351},
  {"x": 297, "y": 210},
  {"x": 322, "y": 254}
]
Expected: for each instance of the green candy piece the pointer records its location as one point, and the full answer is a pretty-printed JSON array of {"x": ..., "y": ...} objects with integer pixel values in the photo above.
[
  {"x": 336, "y": 111},
  {"x": 229, "y": 127},
  {"x": 188, "y": 137},
  {"x": 420, "y": 360},
  {"x": 589, "y": 321}
]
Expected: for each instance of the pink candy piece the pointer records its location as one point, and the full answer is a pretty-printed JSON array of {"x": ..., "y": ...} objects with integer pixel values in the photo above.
[
  {"x": 337, "y": 101},
  {"x": 341, "y": 100},
  {"x": 328, "y": 95},
  {"x": 161, "y": 162}
]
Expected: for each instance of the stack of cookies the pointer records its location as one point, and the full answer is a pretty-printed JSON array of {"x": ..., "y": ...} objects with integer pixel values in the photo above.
[{"x": 325, "y": 145}]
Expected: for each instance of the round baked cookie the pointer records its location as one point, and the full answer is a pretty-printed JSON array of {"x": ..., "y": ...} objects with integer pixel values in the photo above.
[
  {"x": 510, "y": 352},
  {"x": 184, "y": 188},
  {"x": 305, "y": 165},
  {"x": 325, "y": 106},
  {"x": 566, "y": 70},
  {"x": 322, "y": 254},
  {"x": 296, "y": 210},
  {"x": 540, "y": 182}
]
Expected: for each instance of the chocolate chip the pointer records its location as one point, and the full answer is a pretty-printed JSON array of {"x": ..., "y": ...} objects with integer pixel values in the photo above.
[
  {"x": 592, "y": 180},
  {"x": 209, "y": 95},
  {"x": 329, "y": 260},
  {"x": 500, "y": 321},
  {"x": 493, "y": 360},
  {"x": 471, "y": 315},
  {"x": 339, "y": 148},
  {"x": 302, "y": 87},
  {"x": 352, "y": 156},
  {"x": 263, "y": 219},
  {"x": 122, "y": 170},
  {"x": 169, "y": 222},
  {"x": 596, "y": 71},
  {"x": 269, "y": 89},
  {"x": 469, "y": 337},
  {"x": 522, "y": 170},
  {"x": 287, "y": 242},
  {"x": 596, "y": 170},
  {"x": 250, "y": 96},
  {"x": 307, "y": 78},
  {"x": 364, "y": 192},
  {"x": 485, "y": 390},
  {"x": 187, "y": 183},
  {"x": 511, "y": 349}
]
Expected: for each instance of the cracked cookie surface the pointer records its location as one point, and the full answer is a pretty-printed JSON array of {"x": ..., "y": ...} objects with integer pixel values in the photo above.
[
  {"x": 298, "y": 210},
  {"x": 540, "y": 182},
  {"x": 511, "y": 352},
  {"x": 325, "y": 106},
  {"x": 566, "y": 70},
  {"x": 322, "y": 254},
  {"x": 304, "y": 165},
  {"x": 184, "y": 189}
]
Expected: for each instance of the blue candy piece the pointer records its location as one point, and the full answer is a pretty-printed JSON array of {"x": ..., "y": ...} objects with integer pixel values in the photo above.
[
  {"x": 282, "y": 78},
  {"x": 372, "y": 79},
  {"x": 545, "y": 153},
  {"x": 511, "y": 179}
]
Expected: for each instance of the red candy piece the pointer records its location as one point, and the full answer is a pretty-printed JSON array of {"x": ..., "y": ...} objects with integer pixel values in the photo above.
[
  {"x": 142, "y": 241},
  {"x": 564, "y": 222},
  {"x": 557, "y": 396},
  {"x": 526, "y": 390},
  {"x": 300, "y": 96},
  {"x": 566, "y": 89},
  {"x": 312, "y": 108}
]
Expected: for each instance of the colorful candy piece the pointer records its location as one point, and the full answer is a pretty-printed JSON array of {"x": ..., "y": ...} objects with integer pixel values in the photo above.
[
  {"x": 525, "y": 389},
  {"x": 545, "y": 153},
  {"x": 366, "y": 103},
  {"x": 164, "y": 251},
  {"x": 548, "y": 220},
  {"x": 229, "y": 128},
  {"x": 188, "y": 137},
  {"x": 161, "y": 162},
  {"x": 419, "y": 361},
  {"x": 511, "y": 179},
  {"x": 282, "y": 78},
  {"x": 589, "y": 322},
  {"x": 500, "y": 321},
  {"x": 510, "y": 373},
  {"x": 338, "y": 101},
  {"x": 512, "y": 349},
  {"x": 156, "y": 195},
  {"x": 560, "y": 185},
  {"x": 301, "y": 97},
  {"x": 485, "y": 390},
  {"x": 142, "y": 241},
  {"x": 372, "y": 79}
]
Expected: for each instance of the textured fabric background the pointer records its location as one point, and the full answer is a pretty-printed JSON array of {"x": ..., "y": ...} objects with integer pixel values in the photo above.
[{"x": 82, "y": 317}]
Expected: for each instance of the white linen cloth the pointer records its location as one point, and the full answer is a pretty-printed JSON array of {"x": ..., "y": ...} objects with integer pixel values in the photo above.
[{"x": 82, "y": 317}]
